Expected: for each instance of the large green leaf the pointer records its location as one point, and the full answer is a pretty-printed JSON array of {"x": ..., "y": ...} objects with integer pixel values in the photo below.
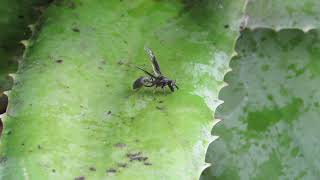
[
  {"x": 72, "y": 112},
  {"x": 271, "y": 111},
  {"x": 279, "y": 14}
]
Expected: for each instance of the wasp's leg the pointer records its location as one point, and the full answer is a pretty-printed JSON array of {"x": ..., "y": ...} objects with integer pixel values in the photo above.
[
  {"x": 164, "y": 89},
  {"x": 148, "y": 85},
  {"x": 163, "y": 86}
]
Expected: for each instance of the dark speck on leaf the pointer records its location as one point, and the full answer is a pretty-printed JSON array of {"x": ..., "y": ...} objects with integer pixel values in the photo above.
[
  {"x": 103, "y": 62},
  {"x": 59, "y": 61},
  {"x": 159, "y": 108},
  {"x": 147, "y": 164},
  {"x": 136, "y": 157},
  {"x": 111, "y": 170},
  {"x": 53, "y": 170},
  {"x": 109, "y": 112},
  {"x": 226, "y": 26},
  {"x": 134, "y": 154},
  {"x": 92, "y": 169},
  {"x": 39, "y": 147},
  {"x": 80, "y": 178},
  {"x": 3, "y": 159},
  {"x": 160, "y": 101},
  {"x": 120, "y": 62},
  {"x": 76, "y": 29},
  {"x": 139, "y": 158},
  {"x": 123, "y": 165},
  {"x": 20, "y": 16},
  {"x": 120, "y": 145}
]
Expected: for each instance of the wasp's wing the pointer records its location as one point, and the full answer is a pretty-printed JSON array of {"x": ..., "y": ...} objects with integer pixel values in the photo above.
[{"x": 155, "y": 65}]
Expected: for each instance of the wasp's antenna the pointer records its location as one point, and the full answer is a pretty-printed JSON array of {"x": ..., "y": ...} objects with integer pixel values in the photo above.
[{"x": 146, "y": 72}]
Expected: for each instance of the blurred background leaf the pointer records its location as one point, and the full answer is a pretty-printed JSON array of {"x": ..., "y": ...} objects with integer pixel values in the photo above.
[
  {"x": 270, "y": 115},
  {"x": 280, "y": 14}
]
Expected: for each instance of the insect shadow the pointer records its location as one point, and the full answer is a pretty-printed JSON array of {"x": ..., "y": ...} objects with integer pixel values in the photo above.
[{"x": 155, "y": 79}]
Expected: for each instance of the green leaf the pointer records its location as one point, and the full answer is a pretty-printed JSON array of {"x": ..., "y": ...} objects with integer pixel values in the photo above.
[
  {"x": 73, "y": 113},
  {"x": 271, "y": 111},
  {"x": 280, "y": 14}
]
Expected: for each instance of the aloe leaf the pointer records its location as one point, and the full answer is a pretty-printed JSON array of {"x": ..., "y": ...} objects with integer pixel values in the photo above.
[
  {"x": 279, "y": 14},
  {"x": 271, "y": 109},
  {"x": 72, "y": 112}
]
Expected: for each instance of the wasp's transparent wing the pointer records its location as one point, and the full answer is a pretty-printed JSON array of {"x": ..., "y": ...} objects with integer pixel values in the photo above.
[{"x": 155, "y": 65}]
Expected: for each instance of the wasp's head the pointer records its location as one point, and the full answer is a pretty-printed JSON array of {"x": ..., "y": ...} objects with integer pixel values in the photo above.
[{"x": 172, "y": 84}]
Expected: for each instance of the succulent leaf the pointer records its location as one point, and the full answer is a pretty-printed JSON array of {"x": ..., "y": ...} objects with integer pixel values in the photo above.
[{"x": 72, "y": 112}]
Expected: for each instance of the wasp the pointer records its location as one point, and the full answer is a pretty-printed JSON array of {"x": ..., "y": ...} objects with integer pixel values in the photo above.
[{"x": 156, "y": 78}]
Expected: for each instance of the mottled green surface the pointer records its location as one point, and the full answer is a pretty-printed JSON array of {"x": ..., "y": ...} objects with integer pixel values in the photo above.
[
  {"x": 270, "y": 127},
  {"x": 15, "y": 16},
  {"x": 280, "y": 14},
  {"x": 72, "y": 112}
]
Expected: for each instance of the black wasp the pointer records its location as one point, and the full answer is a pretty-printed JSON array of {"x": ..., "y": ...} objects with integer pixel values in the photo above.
[{"x": 156, "y": 79}]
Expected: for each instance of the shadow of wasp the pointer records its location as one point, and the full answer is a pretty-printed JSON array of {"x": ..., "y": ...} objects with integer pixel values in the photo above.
[{"x": 156, "y": 79}]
